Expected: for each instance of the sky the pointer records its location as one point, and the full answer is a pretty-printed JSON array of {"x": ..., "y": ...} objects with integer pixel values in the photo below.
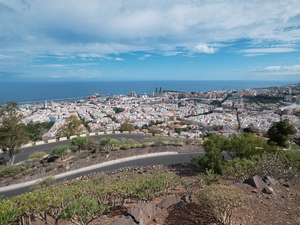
[{"x": 99, "y": 40}]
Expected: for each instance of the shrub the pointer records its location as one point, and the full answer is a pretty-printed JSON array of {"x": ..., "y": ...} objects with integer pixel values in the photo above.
[
  {"x": 37, "y": 155},
  {"x": 28, "y": 171},
  {"x": 219, "y": 201},
  {"x": 125, "y": 146},
  {"x": 146, "y": 144},
  {"x": 32, "y": 160},
  {"x": 8, "y": 211},
  {"x": 276, "y": 165},
  {"x": 45, "y": 182},
  {"x": 294, "y": 156},
  {"x": 240, "y": 169},
  {"x": 80, "y": 142},
  {"x": 11, "y": 170},
  {"x": 60, "y": 151},
  {"x": 138, "y": 145},
  {"x": 210, "y": 178},
  {"x": 212, "y": 160}
]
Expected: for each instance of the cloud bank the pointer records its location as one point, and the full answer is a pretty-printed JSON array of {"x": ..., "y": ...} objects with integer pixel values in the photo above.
[{"x": 32, "y": 30}]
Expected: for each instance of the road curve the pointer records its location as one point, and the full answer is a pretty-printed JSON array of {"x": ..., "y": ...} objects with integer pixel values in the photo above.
[
  {"x": 165, "y": 158},
  {"x": 25, "y": 152}
]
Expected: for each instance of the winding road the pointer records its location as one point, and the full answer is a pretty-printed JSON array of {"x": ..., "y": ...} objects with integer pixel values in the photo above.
[
  {"x": 144, "y": 160},
  {"x": 25, "y": 152}
]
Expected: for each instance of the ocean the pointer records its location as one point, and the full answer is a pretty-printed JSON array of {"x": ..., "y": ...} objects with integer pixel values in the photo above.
[{"x": 40, "y": 91}]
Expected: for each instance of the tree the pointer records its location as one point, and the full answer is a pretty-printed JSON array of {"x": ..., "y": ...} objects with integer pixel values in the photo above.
[
  {"x": 127, "y": 126},
  {"x": 60, "y": 151},
  {"x": 13, "y": 133},
  {"x": 80, "y": 142},
  {"x": 213, "y": 147},
  {"x": 110, "y": 143},
  {"x": 8, "y": 211},
  {"x": 219, "y": 201},
  {"x": 83, "y": 211},
  {"x": 71, "y": 127},
  {"x": 281, "y": 132},
  {"x": 246, "y": 145},
  {"x": 36, "y": 130},
  {"x": 240, "y": 169}
]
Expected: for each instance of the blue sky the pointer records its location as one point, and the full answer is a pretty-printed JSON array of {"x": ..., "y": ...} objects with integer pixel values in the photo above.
[{"x": 149, "y": 40}]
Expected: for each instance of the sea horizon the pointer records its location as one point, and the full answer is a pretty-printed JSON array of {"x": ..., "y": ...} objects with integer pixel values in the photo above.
[{"x": 30, "y": 91}]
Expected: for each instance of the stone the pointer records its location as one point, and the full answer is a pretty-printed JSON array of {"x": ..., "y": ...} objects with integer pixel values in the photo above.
[
  {"x": 270, "y": 181},
  {"x": 186, "y": 199},
  {"x": 143, "y": 212},
  {"x": 168, "y": 201},
  {"x": 256, "y": 182},
  {"x": 124, "y": 220},
  {"x": 268, "y": 190}
]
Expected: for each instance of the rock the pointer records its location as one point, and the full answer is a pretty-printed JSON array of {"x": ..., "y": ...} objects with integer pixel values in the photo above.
[
  {"x": 286, "y": 185},
  {"x": 45, "y": 157},
  {"x": 240, "y": 185},
  {"x": 186, "y": 199},
  {"x": 270, "y": 181},
  {"x": 268, "y": 190},
  {"x": 84, "y": 155},
  {"x": 124, "y": 220},
  {"x": 143, "y": 212},
  {"x": 168, "y": 201},
  {"x": 256, "y": 182}
]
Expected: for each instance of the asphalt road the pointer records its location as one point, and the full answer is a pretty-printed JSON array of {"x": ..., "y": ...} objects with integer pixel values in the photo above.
[
  {"x": 158, "y": 160},
  {"x": 25, "y": 152}
]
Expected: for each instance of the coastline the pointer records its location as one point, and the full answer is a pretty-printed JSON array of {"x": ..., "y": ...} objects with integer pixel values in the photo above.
[{"x": 34, "y": 91}]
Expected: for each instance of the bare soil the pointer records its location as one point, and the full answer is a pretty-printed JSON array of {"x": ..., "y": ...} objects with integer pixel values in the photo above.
[{"x": 281, "y": 207}]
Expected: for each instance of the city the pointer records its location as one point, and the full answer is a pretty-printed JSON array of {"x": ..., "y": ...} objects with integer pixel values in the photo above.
[{"x": 175, "y": 114}]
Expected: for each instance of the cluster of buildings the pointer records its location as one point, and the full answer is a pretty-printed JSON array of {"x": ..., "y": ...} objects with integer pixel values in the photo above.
[{"x": 174, "y": 114}]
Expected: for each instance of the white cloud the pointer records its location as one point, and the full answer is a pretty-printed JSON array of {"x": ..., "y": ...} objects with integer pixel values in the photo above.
[
  {"x": 136, "y": 24},
  {"x": 144, "y": 57},
  {"x": 94, "y": 30},
  {"x": 267, "y": 50},
  {"x": 281, "y": 70},
  {"x": 3, "y": 57},
  {"x": 201, "y": 48}
]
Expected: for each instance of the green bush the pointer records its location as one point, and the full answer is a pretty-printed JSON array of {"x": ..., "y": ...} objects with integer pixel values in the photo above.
[
  {"x": 60, "y": 151},
  {"x": 37, "y": 155},
  {"x": 11, "y": 171},
  {"x": 276, "y": 165},
  {"x": 240, "y": 169},
  {"x": 219, "y": 201},
  {"x": 28, "y": 171},
  {"x": 210, "y": 178},
  {"x": 294, "y": 156},
  {"x": 138, "y": 145},
  {"x": 33, "y": 160},
  {"x": 9, "y": 211},
  {"x": 45, "y": 182},
  {"x": 146, "y": 144}
]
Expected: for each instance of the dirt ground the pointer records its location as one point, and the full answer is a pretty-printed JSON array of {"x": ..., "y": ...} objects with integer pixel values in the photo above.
[
  {"x": 280, "y": 207},
  {"x": 259, "y": 208}
]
